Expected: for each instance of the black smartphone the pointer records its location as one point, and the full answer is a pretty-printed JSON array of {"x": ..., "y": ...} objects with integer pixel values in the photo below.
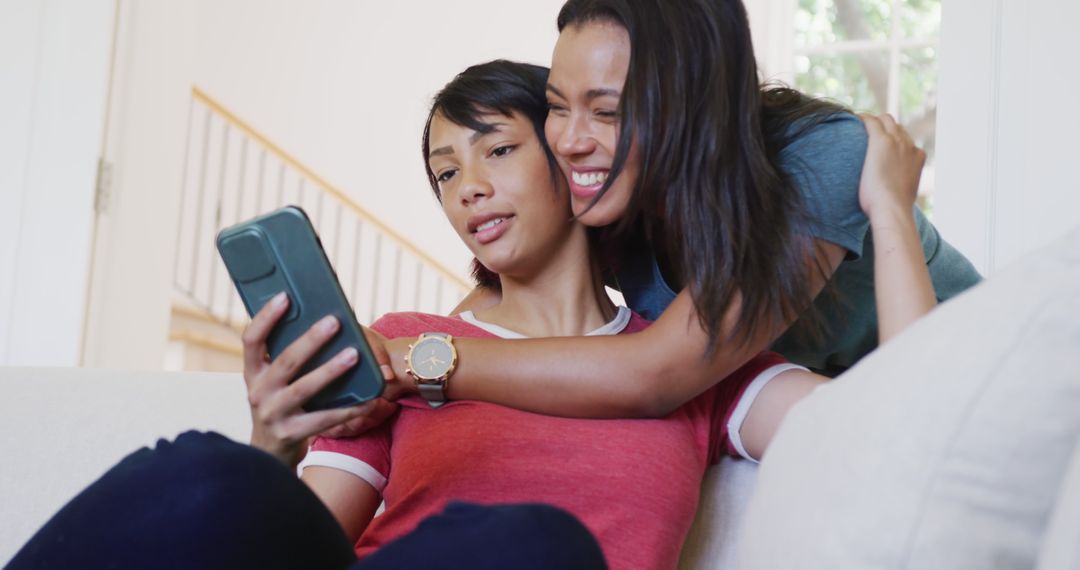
[{"x": 280, "y": 251}]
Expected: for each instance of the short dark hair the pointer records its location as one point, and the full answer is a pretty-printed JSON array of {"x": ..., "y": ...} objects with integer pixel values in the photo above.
[{"x": 500, "y": 86}]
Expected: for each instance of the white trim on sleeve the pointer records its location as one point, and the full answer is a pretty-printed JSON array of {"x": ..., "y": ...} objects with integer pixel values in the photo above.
[
  {"x": 738, "y": 416},
  {"x": 616, "y": 326},
  {"x": 345, "y": 463}
]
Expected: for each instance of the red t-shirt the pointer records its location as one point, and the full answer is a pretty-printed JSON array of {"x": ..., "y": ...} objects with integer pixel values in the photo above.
[{"x": 633, "y": 483}]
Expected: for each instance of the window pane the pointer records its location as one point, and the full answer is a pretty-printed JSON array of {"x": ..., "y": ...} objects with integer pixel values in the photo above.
[
  {"x": 918, "y": 105},
  {"x": 857, "y": 80},
  {"x": 819, "y": 22},
  {"x": 918, "y": 85},
  {"x": 920, "y": 18}
]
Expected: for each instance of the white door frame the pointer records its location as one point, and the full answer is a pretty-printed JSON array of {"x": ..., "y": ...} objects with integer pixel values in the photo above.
[
  {"x": 130, "y": 283},
  {"x": 1007, "y": 152}
]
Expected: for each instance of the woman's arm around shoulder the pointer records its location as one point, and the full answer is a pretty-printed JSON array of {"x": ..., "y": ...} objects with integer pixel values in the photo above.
[{"x": 646, "y": 374}]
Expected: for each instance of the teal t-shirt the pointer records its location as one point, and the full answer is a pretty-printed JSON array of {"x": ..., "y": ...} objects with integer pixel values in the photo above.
[{"x": 825, "y": 163}]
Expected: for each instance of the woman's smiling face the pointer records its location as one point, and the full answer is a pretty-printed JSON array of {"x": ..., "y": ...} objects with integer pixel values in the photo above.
[
  {"x": 588, "y": 71},
  {"x": 498, "y": 192}
]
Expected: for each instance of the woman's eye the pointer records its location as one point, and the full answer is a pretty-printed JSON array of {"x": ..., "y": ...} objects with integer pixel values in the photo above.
[
  {"x": 445, "y": 176},
  {"x": 556, "y": 109},
  {"x": 503, "y": 150},
  {"x": 606, "y": 114}
]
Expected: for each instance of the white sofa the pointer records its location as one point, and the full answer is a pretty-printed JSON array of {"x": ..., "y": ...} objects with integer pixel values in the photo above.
[
  {"x": 61, "y": 428},
  {"x": 956, "y": 446},
  {"x": 949, "y": 447}
]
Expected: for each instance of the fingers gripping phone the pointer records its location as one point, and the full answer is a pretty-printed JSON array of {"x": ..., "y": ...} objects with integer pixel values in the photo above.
[{"x": 280, "y": 251}]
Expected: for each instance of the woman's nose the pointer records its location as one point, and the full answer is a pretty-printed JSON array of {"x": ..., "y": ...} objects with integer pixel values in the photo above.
[
  {"x": 575, "y": 139},
  {"x": 475, "y": 187}
]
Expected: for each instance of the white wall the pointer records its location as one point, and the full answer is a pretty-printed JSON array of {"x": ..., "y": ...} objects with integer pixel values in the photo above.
[
  {"x": 130, "y": 290},
  {"x": 772, "y": 25},
  {"x": 1007, "y": 131},
  {"x": 344, "y": 86},
  {"x": 53, "y": 68}
]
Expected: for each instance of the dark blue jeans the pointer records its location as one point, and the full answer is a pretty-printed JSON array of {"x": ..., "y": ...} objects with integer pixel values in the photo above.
[{"x": 205, "y": 501}]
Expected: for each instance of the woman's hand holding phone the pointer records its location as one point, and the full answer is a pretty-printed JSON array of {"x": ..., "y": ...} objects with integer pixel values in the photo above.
[
  {"x": 280, "y": 426},
  {"x": 397, "y": 385}
]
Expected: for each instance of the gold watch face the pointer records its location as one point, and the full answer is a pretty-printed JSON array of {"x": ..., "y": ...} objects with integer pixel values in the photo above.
[{"x": 431, "y": 358}]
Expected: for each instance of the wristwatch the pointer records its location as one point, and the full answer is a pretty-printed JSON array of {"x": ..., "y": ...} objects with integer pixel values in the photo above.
[{"x": 431, "y": 360}]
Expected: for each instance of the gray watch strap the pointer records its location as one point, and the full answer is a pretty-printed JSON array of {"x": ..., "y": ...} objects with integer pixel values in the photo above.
[{"x": 433, "y": 393}]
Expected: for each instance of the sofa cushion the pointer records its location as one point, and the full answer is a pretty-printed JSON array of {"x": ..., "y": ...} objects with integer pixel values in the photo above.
[
  {"x": 96, "y": 417},
  {"x": 61, "y": 428},
  {"x": 945, "y": 448},
  {"x": 1061, "y": 546},
  {"x": 725, "y": 495}
]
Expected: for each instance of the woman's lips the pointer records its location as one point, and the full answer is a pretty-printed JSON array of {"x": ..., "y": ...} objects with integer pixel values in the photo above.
[
  {"x": 586, "y": 183},
  {"x": 494, "y": 232}
]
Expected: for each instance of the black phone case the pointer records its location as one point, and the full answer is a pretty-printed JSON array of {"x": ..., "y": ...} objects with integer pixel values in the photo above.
[{"x": 280, "y": 251}]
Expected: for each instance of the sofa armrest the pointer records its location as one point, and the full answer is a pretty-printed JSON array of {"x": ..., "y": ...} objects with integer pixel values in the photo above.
[{"x": 945, "y": 448}]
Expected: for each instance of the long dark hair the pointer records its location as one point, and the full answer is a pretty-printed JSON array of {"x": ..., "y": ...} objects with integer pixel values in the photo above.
[
  {"x": 496, "y": 87},
  {"x": 710, "y": 193}
]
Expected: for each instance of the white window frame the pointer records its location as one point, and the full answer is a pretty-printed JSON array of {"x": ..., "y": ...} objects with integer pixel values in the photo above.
[
  {"x": 991, "y": 121},
  {"x": 894, "y": 45}
]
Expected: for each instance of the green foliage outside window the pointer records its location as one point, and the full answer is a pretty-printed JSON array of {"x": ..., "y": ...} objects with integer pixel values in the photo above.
[{"x": 843, "y": 51}]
